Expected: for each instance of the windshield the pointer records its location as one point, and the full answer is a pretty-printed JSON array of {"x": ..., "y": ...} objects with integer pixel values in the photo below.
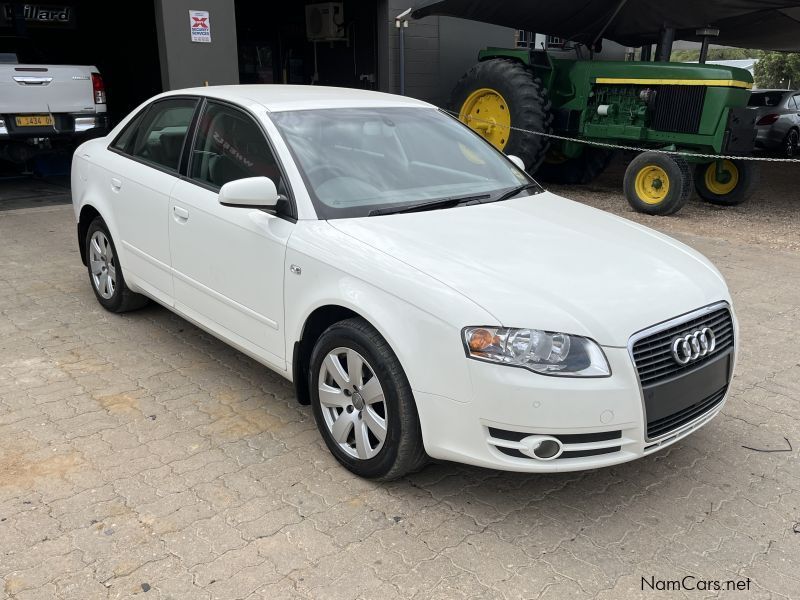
[
  {"x": 357, "y": 160},
  {"x": 765, "y": 98}
]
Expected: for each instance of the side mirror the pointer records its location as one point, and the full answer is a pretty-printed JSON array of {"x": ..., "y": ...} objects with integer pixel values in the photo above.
[
  {"x": 516, "y": 160},
  {"x": 250, "y": 192}
]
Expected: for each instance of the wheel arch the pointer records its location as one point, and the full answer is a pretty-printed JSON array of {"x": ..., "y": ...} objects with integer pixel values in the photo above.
[
  {"x": 313, "y": 327},
  {"x": 88, "y": 214},
  {"x": 432, "y": 341}
]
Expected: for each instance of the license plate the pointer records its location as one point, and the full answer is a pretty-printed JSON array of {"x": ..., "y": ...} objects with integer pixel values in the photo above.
[{"x": 35, "y": 121}]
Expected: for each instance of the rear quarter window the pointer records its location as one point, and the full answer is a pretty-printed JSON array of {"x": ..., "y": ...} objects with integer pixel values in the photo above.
[{"x": 157, "y": 134}]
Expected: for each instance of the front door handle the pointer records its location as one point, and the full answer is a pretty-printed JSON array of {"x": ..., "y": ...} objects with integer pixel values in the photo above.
[
  {"x": 181, "y": 214},
  {"x": 116, "y": 184}
]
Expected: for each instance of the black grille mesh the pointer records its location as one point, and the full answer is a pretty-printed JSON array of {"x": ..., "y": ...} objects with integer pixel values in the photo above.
[
  {"x": 653, "y": 354},
  {"x": 678, "y": 108},
  {"x": 680, "y": 418}
]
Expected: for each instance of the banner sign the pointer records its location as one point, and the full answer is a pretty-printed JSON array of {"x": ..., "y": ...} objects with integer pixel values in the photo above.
[{"x": 200, "y": 25}]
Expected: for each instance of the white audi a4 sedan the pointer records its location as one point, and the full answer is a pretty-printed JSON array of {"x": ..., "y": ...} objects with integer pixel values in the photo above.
[{"x": 423, "y": 293}]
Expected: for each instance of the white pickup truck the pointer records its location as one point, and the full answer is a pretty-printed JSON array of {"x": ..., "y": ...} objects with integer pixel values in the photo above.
[{"x": 48, "y": 107}]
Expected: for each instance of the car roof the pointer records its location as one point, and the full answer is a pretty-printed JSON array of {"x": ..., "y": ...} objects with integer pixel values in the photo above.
[{"x": 280, "y": 97}]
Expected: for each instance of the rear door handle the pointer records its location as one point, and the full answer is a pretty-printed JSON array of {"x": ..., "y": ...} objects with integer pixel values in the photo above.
[
  {"x": 116, "y": 184},
  {"x": 181, "y": 214}
]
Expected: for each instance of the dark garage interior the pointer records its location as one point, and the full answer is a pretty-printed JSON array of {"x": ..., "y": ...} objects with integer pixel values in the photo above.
[
  {"x": 115, "y": 37},
  {"x": 274, "y": 45}
]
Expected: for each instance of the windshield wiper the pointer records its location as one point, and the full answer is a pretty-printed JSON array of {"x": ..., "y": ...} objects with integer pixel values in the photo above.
[
  {"x": 514, "y": 191},
  {"x": 432, "y": 205}
]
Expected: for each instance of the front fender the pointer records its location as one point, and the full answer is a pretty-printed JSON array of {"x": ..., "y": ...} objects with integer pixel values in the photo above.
[{"x": 419, "y": 317}]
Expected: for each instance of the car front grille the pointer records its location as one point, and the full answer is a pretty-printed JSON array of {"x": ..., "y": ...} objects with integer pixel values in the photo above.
[
  {"x": 678, "y": 108},
  {"x": 682, "y": 417},
  {"x": 652, "y": 355}
]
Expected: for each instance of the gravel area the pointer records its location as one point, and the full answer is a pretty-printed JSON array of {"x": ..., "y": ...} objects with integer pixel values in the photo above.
[{"x": 770, "y": 218}]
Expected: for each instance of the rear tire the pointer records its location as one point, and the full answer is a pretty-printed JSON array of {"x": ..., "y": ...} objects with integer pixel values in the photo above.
[
  {"x": 744, "y": 177},
  {"x": 515, "y": 90},
  {"x": 657, "y": 184},
  {"x": 581, "y": 170},
  {"x": 105, "y": 271},
  {"x": 354, "y": 410}
]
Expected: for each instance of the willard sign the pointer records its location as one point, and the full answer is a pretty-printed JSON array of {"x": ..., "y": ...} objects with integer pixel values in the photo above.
[{"x": 37, "y": 14}]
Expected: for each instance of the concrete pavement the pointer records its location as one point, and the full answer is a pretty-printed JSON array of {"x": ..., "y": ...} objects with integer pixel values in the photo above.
[{"x": 141, "y": 456}]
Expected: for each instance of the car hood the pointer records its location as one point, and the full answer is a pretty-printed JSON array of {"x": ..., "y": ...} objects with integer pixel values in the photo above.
[{"x": 549, "y": 263}]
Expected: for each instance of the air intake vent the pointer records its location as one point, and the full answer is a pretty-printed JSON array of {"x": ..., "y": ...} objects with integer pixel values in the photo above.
[
  {"x": 680, "y": 418},
  {"x": 678, "y": 108}
]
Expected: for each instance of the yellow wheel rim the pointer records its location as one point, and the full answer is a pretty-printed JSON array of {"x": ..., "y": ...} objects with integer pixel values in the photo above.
[
  {"x": 717, "y": 187},
  {"x": 485, "y": 111},
  {"x": 652, "y": 184}
]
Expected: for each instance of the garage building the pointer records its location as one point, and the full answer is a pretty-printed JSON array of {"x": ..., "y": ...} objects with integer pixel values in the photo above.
[{"x": 146, "y": 46}]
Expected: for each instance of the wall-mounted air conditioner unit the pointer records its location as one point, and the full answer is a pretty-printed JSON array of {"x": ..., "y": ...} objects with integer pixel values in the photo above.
[{"x": 325, "y": 22}]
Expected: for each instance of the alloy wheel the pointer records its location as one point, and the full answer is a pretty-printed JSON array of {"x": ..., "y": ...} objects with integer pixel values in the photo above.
[
  {"x": 792, "y": 140},
  {"x": 352, "y": 403},
  {"x": 103, "y": 265}
]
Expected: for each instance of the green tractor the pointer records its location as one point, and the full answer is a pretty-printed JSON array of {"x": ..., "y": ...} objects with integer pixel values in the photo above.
[{"x": 697, "y": 109}]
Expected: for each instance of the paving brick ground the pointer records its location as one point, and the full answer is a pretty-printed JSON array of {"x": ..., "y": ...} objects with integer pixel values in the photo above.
[{"x": 140, "y": 456}]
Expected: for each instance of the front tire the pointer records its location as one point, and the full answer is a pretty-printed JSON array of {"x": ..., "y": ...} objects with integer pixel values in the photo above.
[
  {"x": 105, "y": 272},
  {"x": 363, "y": 404},
  {"x": 657, "y": 184},
  {"x": 741, "y": 178}
]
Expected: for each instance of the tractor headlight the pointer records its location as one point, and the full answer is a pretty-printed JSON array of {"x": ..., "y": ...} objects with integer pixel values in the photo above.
[{"x": 545, "y": 352}]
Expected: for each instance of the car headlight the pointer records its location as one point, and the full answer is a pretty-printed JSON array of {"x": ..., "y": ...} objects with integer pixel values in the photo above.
[{"x": 546, "y": 352}]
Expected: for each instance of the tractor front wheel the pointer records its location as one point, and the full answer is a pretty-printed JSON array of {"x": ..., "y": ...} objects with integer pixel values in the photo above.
[
  {"x": 730, "y": 186},
  {"x": 657, "y": 184}
]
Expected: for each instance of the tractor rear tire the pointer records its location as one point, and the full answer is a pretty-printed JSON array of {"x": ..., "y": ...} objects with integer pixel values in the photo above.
[
  {"x": 745, "y": 176},
  {"x": 657, "y": 184},
  {"x": 582, "y": 169},
  {"x": 521, "y": 94}
]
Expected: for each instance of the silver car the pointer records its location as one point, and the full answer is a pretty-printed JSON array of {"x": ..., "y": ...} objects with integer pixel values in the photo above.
[{"x": 777, "y": 120}]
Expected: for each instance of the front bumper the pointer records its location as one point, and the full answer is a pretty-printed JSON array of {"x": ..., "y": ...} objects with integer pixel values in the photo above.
[{"x": 598, "y": 422}]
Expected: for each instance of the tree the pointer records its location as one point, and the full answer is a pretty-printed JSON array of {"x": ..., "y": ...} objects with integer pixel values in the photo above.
[
  {"x": 778, "y": 70},
  {"x": 689, "y": 55}
]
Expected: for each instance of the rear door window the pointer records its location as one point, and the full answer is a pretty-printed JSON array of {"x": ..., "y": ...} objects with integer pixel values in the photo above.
[{"x": 158, "y": 135}]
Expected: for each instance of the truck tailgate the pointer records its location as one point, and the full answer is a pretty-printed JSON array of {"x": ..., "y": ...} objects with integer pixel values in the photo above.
[{"x": 46, "y": 89}]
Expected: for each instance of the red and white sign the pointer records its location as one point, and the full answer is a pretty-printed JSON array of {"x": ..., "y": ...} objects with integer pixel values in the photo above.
[{"x": 200, "y": 25}]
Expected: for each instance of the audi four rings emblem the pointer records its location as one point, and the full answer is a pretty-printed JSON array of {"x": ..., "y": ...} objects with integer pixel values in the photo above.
[{"x": 690, "y": 347}]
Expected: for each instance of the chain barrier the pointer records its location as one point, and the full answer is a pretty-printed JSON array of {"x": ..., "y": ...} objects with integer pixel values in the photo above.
[{"x": 632, "y": 148}]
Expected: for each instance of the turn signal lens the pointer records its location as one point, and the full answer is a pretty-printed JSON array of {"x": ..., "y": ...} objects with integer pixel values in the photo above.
[
  {"x": 480, "y": 340},
  {"x": 546, "y": 352}
]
